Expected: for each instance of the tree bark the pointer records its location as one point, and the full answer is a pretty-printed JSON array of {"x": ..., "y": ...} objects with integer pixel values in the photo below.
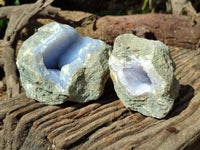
[
  {"x": 174, "y": 30},
  {"x": 166, "y": 28},
  {"x": 105, "y": 123}
]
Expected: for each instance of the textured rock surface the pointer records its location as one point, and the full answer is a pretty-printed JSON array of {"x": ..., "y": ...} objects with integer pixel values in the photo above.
[
  {"x": 56, "y": 64},
  {"x": 142, "y": 72}
]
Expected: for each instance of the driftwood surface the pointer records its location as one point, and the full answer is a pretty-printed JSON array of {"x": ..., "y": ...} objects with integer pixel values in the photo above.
[{"x": 105, "y": 123}]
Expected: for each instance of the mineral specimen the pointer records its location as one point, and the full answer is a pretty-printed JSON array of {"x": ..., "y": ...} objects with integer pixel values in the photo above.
[
  {"x": 142, "y": 73},
  {"x": 57, "y": 65}
]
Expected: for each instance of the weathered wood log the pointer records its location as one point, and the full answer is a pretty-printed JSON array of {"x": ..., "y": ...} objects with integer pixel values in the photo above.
[
  {"x": 150, "y": 26},
  {"x": 174, "y": 30},
  {"x": 105, "y": 123}
]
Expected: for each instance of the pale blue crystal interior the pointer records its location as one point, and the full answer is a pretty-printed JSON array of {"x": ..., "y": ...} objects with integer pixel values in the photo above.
[
  {"x": 134, "y": 77},
  {"x": 56, "y": 64},
  {"x": 59, "y": 42},
  {"x": 62, "y": 48},
  {"x": 138, "y": 80}
]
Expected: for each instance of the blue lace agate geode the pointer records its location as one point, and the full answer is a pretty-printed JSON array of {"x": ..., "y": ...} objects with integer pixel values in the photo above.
[
  {"x": 56, "y": 65},
  {"x": 142, "y": 73}
]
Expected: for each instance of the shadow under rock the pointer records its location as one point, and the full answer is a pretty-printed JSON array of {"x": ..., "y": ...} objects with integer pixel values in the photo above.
[
  {"x": 2, "y": 73},
  {"x": 186, "y": 94}
]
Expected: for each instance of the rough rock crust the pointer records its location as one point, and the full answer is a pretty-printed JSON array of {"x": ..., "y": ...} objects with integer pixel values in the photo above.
[
  {"x": 85, "y": 82},
  {"x": 142, "y": 72}
]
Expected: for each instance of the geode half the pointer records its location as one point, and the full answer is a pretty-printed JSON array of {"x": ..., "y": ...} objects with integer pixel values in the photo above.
[
  {"x": 142, "y": 73},
  {"x": 57, "y": 65}
]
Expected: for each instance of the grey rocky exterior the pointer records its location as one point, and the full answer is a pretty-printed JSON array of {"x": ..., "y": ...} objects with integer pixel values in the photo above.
[
  {"x": 149, "y": 65},
  {"x": 85, "y": 81}
]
